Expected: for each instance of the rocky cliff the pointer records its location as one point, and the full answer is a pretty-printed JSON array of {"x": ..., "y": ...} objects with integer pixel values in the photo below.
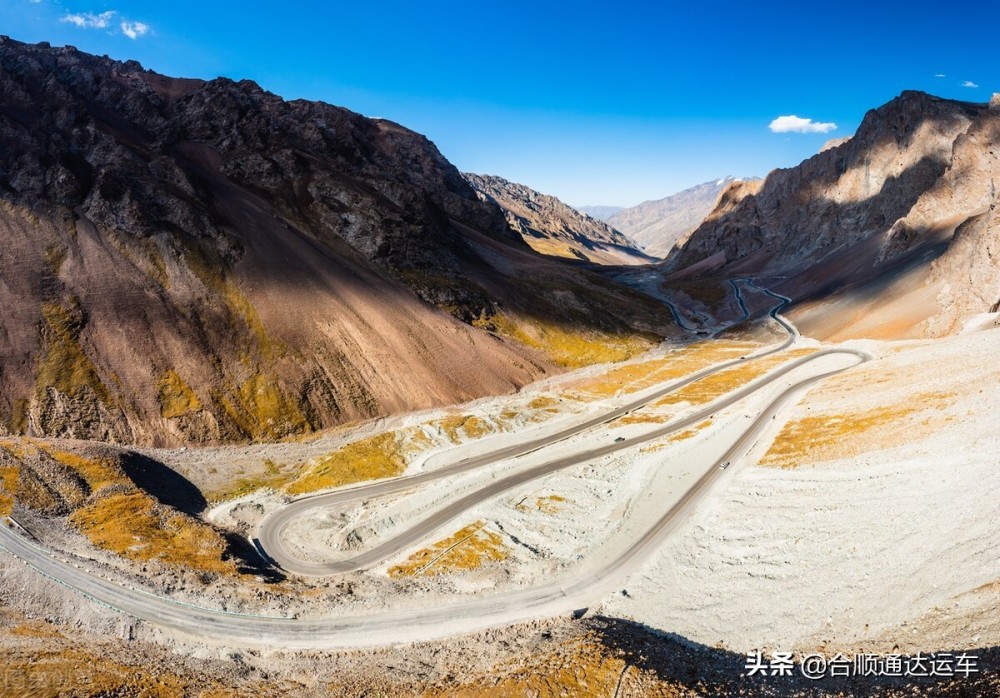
[
  {"x": 551, "y": 227},
  {"x": 204, "y": 261},
  {"x": 840, "y": 196}
]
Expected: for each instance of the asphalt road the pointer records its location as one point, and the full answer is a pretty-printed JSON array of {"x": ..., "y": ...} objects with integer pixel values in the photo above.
[{"x": 423, "y": 623}]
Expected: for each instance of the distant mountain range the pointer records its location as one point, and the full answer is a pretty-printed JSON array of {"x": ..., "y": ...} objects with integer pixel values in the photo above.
[
  {"x": 657, "y": 226},
  {"x": 601, "y": 213},
  {"x": 551, "y": 227}
]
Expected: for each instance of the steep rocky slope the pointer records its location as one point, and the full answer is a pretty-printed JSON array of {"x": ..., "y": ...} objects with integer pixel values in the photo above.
[
  {"x": 659, "y": 225},
  {"x": 204, "y": 261},
  {"x": 889, "y": 233},
  {"x": 551, "y": 227}
]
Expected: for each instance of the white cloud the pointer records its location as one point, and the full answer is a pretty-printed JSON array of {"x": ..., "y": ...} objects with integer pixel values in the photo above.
[
  {"x": 940, "y": 75},
  {"x": 134, "y": 30},
  {"x": 969, "y": 83},
  {"x": 796, "y": 124},
  {"x": 88, "y": 20}
]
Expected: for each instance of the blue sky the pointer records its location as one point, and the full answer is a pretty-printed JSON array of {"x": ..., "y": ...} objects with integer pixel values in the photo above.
[{"x": 595, "y": 102}]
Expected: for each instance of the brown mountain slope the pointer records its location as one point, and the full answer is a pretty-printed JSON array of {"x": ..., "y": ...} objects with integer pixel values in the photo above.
[
  {"x": 551, "y": 227},
  {"x": 660, "y": 225},
  {"x": 203, "y": 261},
  {"x": 890, "y": 233}
]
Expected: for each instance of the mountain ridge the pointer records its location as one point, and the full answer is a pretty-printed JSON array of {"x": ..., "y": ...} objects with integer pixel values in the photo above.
[{"x": 551, "y": 227}]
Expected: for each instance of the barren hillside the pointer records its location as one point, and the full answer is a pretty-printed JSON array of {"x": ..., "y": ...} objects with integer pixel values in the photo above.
[
  {"x": 551, "y": 227},
  {"x": 888, "y": 234},
  {"x": 204, "y": 261}
]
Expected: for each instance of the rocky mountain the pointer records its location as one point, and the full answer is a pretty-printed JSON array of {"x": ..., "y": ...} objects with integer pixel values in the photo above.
[
  {"x": 551, "y": 227},
  {"x": 203, "y": 261},
  {"x": 891, "y": 232},
  {"x": 601, "y": 213},
  {"x": 659, "y": 225}
]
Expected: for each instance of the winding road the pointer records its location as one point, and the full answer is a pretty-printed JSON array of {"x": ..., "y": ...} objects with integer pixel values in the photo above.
[
  {"x": 588, "y": 585},
  {"x": 271, "y": 530}
]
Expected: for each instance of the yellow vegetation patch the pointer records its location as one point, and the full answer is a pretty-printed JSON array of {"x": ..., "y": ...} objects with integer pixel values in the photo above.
[
  {"x": 567, "y": 347},
  {"x": 833, "y": 436},
  {"x": 135, "y": 526},
  {"x": 718, "y": 384},
  {"x": 44, "y": 671},
  {"x": 176, "y": 397},
  {"x": 547, "y": 505},
  {"x": 467, "y": 549},
  {"x": 34, "y": 628},
  {"x": 98, "y": 473},
  {"x": 63, "y": 364},
  {"x": 368, "y": 459},
  {"x": 554, "y": 248},
  {"x": 275, "y": 414},
  {"x": 20, "y": 487},
  {"x": 55, "y": 255},
  {"x": 241, "y": 306},
  {"x": 639, "y": 376},
  {"x": 263, "y": 411},
  {"x": 583, "y": 668},
  {"x": 9, "y": 476},
  {"x": 15, "y": 448},
  {"x": 471, "y": 427},
  {"x": 543, "y": 402}
]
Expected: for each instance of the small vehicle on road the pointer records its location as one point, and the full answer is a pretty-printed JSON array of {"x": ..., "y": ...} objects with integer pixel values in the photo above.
[
  {"x": 619, "y": 439},
  {"x": 724, "y": 465}
]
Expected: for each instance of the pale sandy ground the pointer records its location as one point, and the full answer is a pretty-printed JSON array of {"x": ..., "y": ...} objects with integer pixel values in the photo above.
[{"x": 897, "y": 545}]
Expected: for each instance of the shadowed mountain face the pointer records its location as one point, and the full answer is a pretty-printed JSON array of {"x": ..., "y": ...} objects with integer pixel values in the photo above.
[
  {"x": 551, "y": 227},
  {"x": 203, "y": 261},
  {"x": 840, "y": 196},
  {"x": 659, "y": 225},
  {"x": 889, "y": 233}
]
